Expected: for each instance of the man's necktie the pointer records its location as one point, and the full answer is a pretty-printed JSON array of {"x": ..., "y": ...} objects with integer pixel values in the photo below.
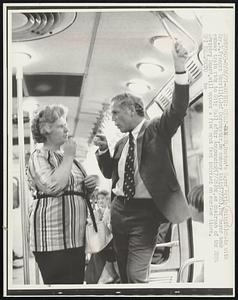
[{"x": 129, "y": 181}]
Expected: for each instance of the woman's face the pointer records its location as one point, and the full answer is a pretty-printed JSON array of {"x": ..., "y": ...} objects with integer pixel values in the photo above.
[
  {"x": 58, "y": 133},
  {"x": 102, "y": 201}
]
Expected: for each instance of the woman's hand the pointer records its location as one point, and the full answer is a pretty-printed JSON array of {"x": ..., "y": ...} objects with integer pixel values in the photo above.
[
  {"x": 70, "y": 147},
  {"x": 89, "y": 221},
  {"x": 90, "y": 182},
  {"x": 60, "y": 177}
]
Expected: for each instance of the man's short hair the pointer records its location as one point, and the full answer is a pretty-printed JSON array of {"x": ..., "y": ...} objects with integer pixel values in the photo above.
[{"x": 127, "y": 99}]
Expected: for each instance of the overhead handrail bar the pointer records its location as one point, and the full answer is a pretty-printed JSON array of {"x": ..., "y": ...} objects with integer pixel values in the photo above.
[{"x": 89, "y": 58}]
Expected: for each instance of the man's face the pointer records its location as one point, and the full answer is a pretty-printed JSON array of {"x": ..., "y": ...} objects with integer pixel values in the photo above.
[{"x": 121, "y": 116}]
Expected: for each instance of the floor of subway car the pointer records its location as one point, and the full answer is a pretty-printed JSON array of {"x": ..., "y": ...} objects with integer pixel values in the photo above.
[{"x": 18, "y": 273}]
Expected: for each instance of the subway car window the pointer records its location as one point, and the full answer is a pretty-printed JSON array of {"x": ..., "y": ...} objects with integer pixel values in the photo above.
[{"x": 194, "y": 137}]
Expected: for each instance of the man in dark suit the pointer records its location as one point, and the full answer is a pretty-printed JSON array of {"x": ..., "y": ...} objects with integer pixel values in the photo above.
[{"x": 145, "y": 189}]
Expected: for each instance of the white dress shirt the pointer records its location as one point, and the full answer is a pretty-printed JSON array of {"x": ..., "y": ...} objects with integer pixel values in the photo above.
[{"x": 140, "y": 189}]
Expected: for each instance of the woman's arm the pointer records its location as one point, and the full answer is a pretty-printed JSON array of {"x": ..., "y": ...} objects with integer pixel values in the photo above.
[
  {"x": 174, "y": 114},
  {"x": 47, "y": 179},
  {"x": 61, "y": 175}
]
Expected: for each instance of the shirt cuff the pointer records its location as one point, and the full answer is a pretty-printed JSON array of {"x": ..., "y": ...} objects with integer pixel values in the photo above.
[
  {"x": 100, "y": 152},
  {"x": 181, "y": 78}
]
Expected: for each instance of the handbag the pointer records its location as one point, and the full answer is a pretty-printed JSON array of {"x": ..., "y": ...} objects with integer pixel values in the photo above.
[
  {"x": 97, "y": 234},
  {"x": 95, "y": 241}
]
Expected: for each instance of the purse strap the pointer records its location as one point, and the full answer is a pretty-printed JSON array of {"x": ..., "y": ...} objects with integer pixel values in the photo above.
[
  {"x": 91, "y": 213},
  {"x": 87, "y": 196}
]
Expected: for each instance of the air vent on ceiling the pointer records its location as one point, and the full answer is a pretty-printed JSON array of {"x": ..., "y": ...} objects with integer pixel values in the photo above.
[{"x": 32, "y": 26}]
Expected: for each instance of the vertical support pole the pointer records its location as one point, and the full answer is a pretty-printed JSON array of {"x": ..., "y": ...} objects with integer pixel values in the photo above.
[
  {"x": 31, "y": 138},
  {"x": 37, "y": 274},
  {"x": 186, "y": 189},
  {"x": 23, "y": 197}
]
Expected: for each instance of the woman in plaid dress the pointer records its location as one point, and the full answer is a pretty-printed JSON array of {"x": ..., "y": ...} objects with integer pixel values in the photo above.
[{"x": 58, "y": 213}]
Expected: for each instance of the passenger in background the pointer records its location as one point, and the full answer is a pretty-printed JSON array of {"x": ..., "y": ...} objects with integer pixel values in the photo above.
[
  {"x": 102, "y": 266},
  {"x": 59, "y": 185},
  {"x": 145, "y": 189},
  {"x": 102, "y": 209},
  {"x": 196, "y": 205},
  {"x": 93, "y": 197}
]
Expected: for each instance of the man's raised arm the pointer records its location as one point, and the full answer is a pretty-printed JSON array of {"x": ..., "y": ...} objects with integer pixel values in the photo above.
[{"x": 174, "y": 114}]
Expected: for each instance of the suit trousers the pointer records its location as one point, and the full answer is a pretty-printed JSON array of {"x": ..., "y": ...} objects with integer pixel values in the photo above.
[{"x": 135, "y": 225}]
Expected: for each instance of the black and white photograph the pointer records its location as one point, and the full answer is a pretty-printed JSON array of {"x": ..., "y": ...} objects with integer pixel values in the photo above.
[{"x": 118, "y": 149}]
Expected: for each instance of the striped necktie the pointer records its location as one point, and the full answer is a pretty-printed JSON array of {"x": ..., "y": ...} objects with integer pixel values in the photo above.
[{"x": 129, "y": 181}]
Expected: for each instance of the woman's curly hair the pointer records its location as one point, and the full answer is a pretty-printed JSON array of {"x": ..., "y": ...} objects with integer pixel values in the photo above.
[{"x": 43, "y": 118}]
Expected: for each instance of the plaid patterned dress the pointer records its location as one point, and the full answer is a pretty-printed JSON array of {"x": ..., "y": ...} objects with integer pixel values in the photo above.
[{"x": 56, "y": 222}]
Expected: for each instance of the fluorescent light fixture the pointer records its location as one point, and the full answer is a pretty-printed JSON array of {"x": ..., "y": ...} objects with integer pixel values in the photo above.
[
  {"x": 185, "y": 14},
  {"x": 138, "y": 86},
  {"x": 43, "y": 87},
  {"x": 20, "y": 59},
  {"x": 162, "y": 42},
  {"x": 150, "y": 69}
]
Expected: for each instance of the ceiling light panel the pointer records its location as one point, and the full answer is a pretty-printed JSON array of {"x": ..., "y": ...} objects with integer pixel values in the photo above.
[
  {"x": 150, "y": 70},
  {"x": 162, "y": 42},
  {"x": 138, "y": 86}
]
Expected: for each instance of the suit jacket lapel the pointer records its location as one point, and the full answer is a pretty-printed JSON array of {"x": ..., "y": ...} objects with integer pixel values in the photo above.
[{"x": 140, "y": 140}]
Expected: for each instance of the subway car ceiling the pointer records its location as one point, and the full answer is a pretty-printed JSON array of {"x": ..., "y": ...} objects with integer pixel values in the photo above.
[{"x": 83, "y": 59}]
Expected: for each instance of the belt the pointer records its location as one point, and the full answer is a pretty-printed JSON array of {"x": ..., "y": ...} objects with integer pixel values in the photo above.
[
  {"x": 135, "y": 200},
  {"x": 142, "y": 204},
  {"x": 67, "y": 193}
]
